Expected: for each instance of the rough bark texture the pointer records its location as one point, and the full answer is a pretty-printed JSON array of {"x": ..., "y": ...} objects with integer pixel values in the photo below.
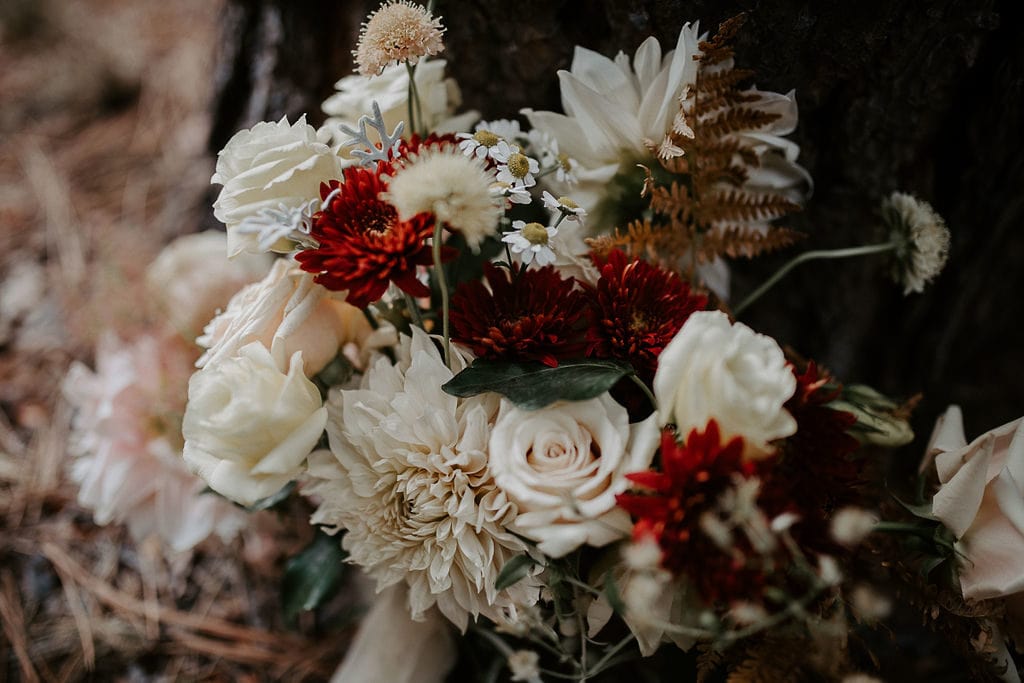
[{"x": 926, "y": 97}]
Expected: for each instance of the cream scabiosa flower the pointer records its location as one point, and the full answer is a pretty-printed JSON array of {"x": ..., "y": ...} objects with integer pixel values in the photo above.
[
  {"x": 271, "y": 167},
  {"x": 717, "y": 370},
  {"x": 921, "y": 237},
  {"x": 408, "y": 478},
  {"x": 398, "y": 32}
]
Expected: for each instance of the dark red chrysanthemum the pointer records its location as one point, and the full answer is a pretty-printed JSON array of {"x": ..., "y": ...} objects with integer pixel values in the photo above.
[
  {"x": 693, "y": 476},
  {"x": 413, "y": 145},
  {"x": 525, "y": 314},
  {"x": 636, "y": 309},
  {"x": 818, "y": 471},
  {"x": 363, "y": 244}
]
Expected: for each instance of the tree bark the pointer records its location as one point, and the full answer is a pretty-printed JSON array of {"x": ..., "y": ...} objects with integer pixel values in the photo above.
[{"x": 924, "y": 97}]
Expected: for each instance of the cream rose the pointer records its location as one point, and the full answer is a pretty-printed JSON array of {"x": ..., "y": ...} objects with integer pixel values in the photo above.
[
  {"x": 288, "y": 312},
  {"x": 249, "y": 425},
  {"x": 191, "y": 279},
  {"x": 563, "y": 466},
  {"x": 714, "y": 369},
  {"x": 981, "y": 501},
  {"x": 267, "y": 167}
]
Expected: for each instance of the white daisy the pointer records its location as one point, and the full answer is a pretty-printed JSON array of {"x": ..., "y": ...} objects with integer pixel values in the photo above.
[
  {"x": 514, "y": 167},
  {"x": 532, "y": 241},
  {"x": 565, "y": 206},
  {"x": 517, "y": 194}
]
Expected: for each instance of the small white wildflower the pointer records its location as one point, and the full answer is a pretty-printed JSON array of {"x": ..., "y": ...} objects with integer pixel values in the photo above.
[
  {"x": 453, "y": 187},
  {"x": 746, "y": 613},
  {"x": 546, "y": 147},
  {"x": 514, "y": 166},
  {"x": 532, "y": 241},
  {"x": 505, "y": 128},
  {"x": 921, "y": 237},
  {"x": 565, "y": 206},
  {"x": 642, "y": 555},
  {"x": 784, "y": 521},
  {"x": 524, "y": 665},
  {"x": 869, "y": 604},
  {"x": 828, "y": 570},
  {"x": 479, "y": 144},
  {"x": 851, "y": 524},
  {"x": 517, "y": 194},
  {"x": 400, "y": 31}
]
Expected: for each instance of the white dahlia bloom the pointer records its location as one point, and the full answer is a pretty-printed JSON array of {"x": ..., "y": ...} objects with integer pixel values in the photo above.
[
  {"x": 717, "y": 370},
  {"x": 356, "y": 94},
  {"x": 408, "y": 478},
  {"x": 126, "y": 439},
  {"x": 267, "y": 171}
]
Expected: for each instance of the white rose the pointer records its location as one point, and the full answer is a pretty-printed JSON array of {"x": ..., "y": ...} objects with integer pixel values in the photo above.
[
  {"x": 390, "y": 90},
  {"x": 267, "y": 167},
  {"x": 249, "y": 426},
  {"x": 191, "y": 279},
  {"x": 287, "y": 312},
  {"x": 716, "y": 370},
  {"x": 563, "y": 466}
]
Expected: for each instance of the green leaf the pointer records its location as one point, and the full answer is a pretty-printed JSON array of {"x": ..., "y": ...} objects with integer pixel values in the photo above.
[
  {"x": 313, "y": 576},
  {"x": 533, "y": 385},
  {"x": 611, "y": 591},
  {"x": 514, "y": 571}
]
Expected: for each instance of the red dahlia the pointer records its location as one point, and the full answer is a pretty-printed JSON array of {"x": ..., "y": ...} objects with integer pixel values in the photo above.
[
  {"x": 525, "y": 314},
  {"x": 363, "y": 244},
  {"x": 692, "y": 478},
  {"x": 636, "y": 309}
]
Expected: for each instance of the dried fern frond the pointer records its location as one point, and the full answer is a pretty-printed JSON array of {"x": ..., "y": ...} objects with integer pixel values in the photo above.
[{"x": 742, "y": 242}]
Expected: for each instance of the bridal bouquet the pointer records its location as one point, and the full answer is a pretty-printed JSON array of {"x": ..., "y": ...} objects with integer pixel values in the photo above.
[{"x": 502, "y": 364}]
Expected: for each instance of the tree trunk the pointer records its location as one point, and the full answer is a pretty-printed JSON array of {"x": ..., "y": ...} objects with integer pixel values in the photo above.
[{"x": 896, "y": 94}]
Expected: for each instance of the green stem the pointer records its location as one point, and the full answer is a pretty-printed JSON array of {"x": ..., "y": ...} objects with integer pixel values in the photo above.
[
  {"x": 647, "y": 392},
  {"x": 442, "y": 284},
  {"x": 546, "y": 171},
  {"x": 810, "y": 256},
  {"x": 603, "y": 662},
  {"x": 414, "y": 310},
  {"x": 416, "y": 123}
]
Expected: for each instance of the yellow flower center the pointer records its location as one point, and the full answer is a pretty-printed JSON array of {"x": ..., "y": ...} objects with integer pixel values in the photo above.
[
  {"x": 519, "y": 165},
  {"x": 486, "y": 138},
  {"x": 568, "y": 203},
  {"x": 535, "y": 233},
  {"x": 564, "y": 162}
]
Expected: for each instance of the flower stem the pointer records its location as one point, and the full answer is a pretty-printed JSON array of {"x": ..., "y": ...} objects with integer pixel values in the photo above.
[
  {"x": 442, "y": 284},
  {"x": 647, "y": 391},
  {"x": 416, "y": 123},
  {"x": 414, "y": 310},
  {"x": 811, "y": 256}
]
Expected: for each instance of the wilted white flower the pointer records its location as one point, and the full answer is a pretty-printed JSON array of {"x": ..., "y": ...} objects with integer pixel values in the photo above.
[
  {"x": 126, "y": 439},
  {"x": 454, "y": 188},
  {"x": 269, "y": 165},
  {"x": 533, "y": 241},
  {"x": 287, "y": 312},
  {"x": 850, "y": 525},
  {"x": 249, "y": 424},
  {"x": 921, "y": 237},
  {"x": 563, "y": 465},
  {"x": 398, "y": 32},
  {"x": 517, "y": 194},
  {"x": 439, "y": 98},
  {"x": 565, "y": 206},
  {"x": 717, "y": 370},
  {"x": 190, "y": 278},
  {"x": 408, "y": 478}
]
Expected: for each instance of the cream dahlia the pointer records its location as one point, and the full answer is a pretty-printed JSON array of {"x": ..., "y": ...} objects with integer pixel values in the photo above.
[{"x": 407, "y": 476}]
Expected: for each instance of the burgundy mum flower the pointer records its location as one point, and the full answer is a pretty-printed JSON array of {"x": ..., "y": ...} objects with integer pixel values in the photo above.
[
  {"x": 363, "y": 244},
  {"x": 525, "y": 314},
  {"x": 636, "y": 309},
  {"x": 693, "y": 476}
]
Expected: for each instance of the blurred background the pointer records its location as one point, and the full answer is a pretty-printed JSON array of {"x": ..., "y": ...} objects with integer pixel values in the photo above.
[{"x": 111, "y": 113}]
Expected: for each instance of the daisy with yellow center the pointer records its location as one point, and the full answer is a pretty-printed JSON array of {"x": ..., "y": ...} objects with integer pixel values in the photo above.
[
  {"x": 565, "y": 207},
  {"x": 532, "y": 241},
  {"x": 514, "y": 167}
]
